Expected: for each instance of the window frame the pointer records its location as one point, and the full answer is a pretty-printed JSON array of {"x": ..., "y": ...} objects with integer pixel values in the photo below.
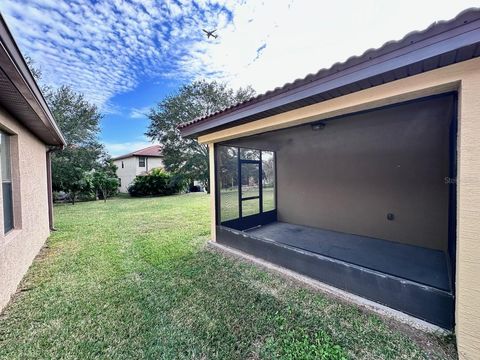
[
  {"x": 11, "y": 181},
  {"x": 144, "y": 158}
]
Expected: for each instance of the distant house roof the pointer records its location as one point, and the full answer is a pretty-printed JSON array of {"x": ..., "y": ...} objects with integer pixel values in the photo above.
[
  {"x": 443, "y": 43},
  {"x": 151, "y": 151},
  {"x": 20, "y": 94}
]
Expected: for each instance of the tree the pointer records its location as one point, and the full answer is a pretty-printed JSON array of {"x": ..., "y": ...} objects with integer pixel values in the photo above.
[
  {"x": 105, "y": 182},
  {"x": 182, "y": 156},
  {"x": 75, "y": 180},
  {"x": 77, "y": 118},
  {"x": 36, "y": 72},
  {"x": 79, "y": 122}
]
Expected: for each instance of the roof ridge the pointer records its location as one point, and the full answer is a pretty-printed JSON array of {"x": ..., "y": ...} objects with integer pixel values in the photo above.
[
  {"x": 148, "y": 147},
  {"x": 135, "y": 152}
]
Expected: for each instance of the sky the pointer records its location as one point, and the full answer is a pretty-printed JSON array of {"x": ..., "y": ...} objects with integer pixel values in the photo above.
[{"x": 126, "y": 56}]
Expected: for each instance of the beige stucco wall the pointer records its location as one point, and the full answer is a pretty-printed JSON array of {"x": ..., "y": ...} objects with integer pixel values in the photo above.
[
  {"x": 350, "y": 175},
  {"x": 131, "y": 169},
  {"x": 127, "y": 173},
  {"x": 19, "y": 247},
  {"x": 464, "y": 77}
]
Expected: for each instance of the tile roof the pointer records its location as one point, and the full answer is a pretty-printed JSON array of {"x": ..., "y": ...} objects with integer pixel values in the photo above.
[
  {"x": 151, "y": 151},
  {"x": 338, "y": 69}
]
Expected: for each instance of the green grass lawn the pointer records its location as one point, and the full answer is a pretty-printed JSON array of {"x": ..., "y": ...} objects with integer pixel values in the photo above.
[{"x": 132, "y": 279}]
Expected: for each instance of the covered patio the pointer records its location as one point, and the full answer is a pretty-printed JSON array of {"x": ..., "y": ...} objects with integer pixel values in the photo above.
[
  {"x": 349, "y": 175},
  {"x": 360, "y": 202}
]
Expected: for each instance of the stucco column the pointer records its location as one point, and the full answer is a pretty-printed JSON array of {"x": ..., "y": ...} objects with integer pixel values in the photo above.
[
  {"x": 211, "y": 153},
  {"x": 468, "y": 220},
  {"x": 49, "y": 189}
]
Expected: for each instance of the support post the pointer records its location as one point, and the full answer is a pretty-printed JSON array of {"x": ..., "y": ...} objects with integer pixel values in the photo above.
[
  {"x": 213, "y": 193},
  {"x": 49, "y": 190}
]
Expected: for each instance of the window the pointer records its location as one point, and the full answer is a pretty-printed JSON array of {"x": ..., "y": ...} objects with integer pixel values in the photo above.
[
  {"x": 141, "y": 161},
  {"x": 5, "y": 165},
  {"x": 123, "y": 165},
  {"x": 119, "y": 182}
]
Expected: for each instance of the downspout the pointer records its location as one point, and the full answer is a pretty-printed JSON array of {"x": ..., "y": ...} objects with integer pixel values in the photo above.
[{"x": 49, "y": 185}]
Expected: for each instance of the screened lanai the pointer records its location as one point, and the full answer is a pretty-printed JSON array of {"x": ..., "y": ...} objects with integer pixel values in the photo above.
[{"x": 362, "y": 202}]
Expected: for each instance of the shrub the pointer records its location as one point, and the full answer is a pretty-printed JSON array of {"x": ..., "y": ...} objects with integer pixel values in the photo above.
[{"x": 156, "y": 182}]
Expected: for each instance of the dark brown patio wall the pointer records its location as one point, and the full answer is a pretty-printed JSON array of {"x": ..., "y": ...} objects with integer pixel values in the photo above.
[{"x": 355, "y": 171}]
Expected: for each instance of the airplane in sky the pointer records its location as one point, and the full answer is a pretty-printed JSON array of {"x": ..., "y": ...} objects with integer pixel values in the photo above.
[{"x": 210, "y": 33}]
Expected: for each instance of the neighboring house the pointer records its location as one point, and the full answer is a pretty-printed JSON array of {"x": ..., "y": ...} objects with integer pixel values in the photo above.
[
  {"x": 137, "y": 163},
  {"x": 28, "y": 134},
  {"x": 349, "y": 176}
]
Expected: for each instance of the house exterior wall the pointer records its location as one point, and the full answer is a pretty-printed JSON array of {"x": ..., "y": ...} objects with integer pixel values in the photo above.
[
  {"x": 127, "y": 173},
  {"x": 464, "y": 77},
  {"x": 131, "y": 169},
  {"x": 154, "y": 163},
  {"x": 29, "y": 179}
]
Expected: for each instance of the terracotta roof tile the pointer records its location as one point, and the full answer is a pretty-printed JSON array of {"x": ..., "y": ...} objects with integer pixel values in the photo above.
[{"x": 151, "y": 151}]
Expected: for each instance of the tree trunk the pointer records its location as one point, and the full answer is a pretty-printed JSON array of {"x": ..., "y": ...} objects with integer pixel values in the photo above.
[{"x": 207, "y": 186}]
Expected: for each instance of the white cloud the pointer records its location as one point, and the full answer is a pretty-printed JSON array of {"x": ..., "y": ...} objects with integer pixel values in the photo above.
[
  {"x": 300, "y": 37},
  {"x": 106, "y": 48},
  {"x": 140, "y": 113}
]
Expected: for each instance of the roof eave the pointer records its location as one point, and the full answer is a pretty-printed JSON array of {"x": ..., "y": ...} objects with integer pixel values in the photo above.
[{"x": 135, "y": 155}]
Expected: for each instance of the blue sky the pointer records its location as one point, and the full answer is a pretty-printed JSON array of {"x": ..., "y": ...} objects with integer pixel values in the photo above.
[{"x": 125, "y": 56}]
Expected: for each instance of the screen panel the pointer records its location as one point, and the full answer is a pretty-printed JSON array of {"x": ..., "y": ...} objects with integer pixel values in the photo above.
[
  {"x": 249, "y": 154},
  {"x": 250, "y": 207},
  {"x": 268, "y": 180},
  {"x": 228, "y": 183},
  {"x": 250, "y": 180}
]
